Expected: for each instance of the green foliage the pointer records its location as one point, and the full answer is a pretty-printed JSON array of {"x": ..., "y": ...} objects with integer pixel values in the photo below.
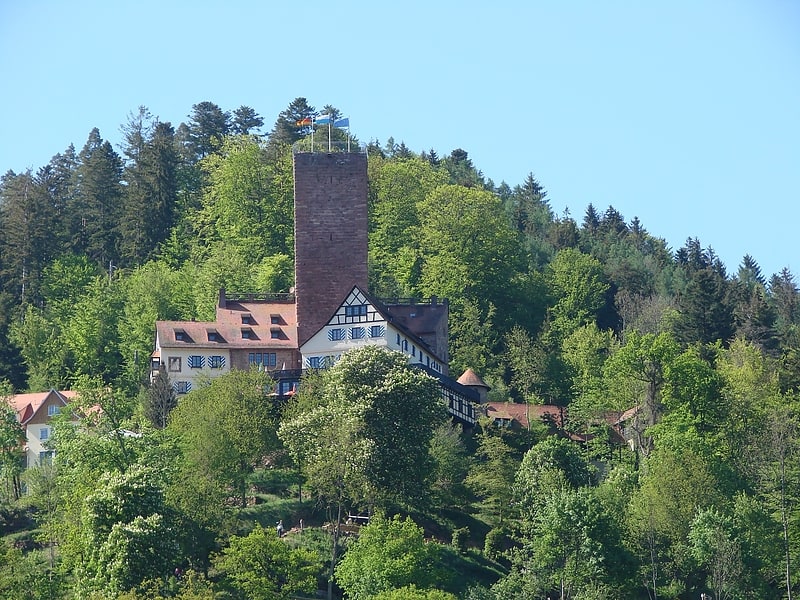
[
  {"x": 412, "y": 592},
  {"x": 224, "y": 430},
  {"x": 129, "y": 535},
  {"x": 451, "y": 464},
  {"x": 396, "y": 188},
  {"x": 473, "y": 338},
  {"x": 492, "y": 474},
  {"x": 467, "y": 246},
  {"x": 27, "y": 576},
  {"x": 578, "y": 286},
  {"x": 388, "y": 554},
  {"x": 552, "y": 464},
  {"x": 573, "y": 546},
  {"x": 12, "y": 438},
  {"x": 247, "y": 202},
  {"x": 710, "y": 362},
  {"x": 263, "y": 567},
  {"x": 366, "y": 429},
  {"x": 715, "y": 547},
  {"x": 161, "y": 399},
  {"x": 460, "y": 539},
  {"x": 584, "y": 352},
  {"x": 152, "y": 292}
]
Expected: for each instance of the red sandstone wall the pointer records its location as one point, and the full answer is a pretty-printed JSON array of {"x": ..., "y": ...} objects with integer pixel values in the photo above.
[{"x": 330, "y": 224}]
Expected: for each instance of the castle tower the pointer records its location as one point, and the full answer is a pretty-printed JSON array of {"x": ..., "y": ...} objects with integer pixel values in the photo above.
[{"x": 330, "y": 234}]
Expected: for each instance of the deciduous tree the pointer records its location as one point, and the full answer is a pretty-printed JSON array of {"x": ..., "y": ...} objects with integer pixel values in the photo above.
[
  {"x": 263, "y": 567},
  {"x": 388, "y": 554}
]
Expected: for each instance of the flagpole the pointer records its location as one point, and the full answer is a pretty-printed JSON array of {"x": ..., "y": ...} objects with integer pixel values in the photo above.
[
  {"x": 312, "y": 134},
  {"x": 329, "y": 132}
]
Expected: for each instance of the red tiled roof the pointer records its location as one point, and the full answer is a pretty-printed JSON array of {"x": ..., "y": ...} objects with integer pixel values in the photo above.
[
  {"x": 547, "y": 413},
  {"x": 256, "y": 318},
  {"x": 27, "y": 405}
]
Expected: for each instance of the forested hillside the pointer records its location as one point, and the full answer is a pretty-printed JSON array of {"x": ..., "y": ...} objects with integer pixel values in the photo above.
[{"x": 594, "y": 314}]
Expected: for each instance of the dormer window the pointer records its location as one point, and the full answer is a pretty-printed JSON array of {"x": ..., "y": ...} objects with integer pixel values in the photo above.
[
  {"x": 213, "y": 336},
  {"x": 247, "y": 319},
  {"x": 180, "y": 335},
  {"x": 275, "y": 320},
  {"x": 275, "y": 333},
  {"x": 247, "y": 333}
]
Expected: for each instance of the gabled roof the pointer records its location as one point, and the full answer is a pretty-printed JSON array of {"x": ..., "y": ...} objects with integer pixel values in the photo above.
[
  {"x": 27, "y": 405},
  {"x": 617, "y": 418},
  {"x": 387, "y": 314},
  {"x": 546, "y": 413}
]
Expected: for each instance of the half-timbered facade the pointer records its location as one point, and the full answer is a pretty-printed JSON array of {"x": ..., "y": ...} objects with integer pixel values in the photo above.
[
  {"x": 361, "y": 320},
  {"x": 330, "y": 311}
]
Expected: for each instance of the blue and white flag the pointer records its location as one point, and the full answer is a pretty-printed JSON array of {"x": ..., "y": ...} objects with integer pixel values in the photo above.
[
  {"x": 342, "y": 122},
  {"x": 322, "y": 119}
]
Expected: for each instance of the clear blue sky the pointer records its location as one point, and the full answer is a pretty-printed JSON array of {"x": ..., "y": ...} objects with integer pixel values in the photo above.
[{"x": 685, "y": 113}]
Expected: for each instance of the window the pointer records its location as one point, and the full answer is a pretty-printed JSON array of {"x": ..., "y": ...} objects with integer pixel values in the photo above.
[
  {"x": 175, "y": 364},
  {"x": 46, "y": 457},
  {"x": 180, "y": 335},
  {"x": 53, "y": 410},
  {"x": 413, "y": 350},
  {"x": 182, "y": 387},
  {"x": 213, "y": 336},
  {"x": 275, "y": 334},
  {"x": 268, "y": 359},
  {"x": 313, "y": 362},
  {"x": 247, "y": 319},
  {"x": 405, "y": 345},
  {"x": 195, "y": 362},
  {"x": 376, "y": 331},
  {"x": 336, "y": 334},
  {"x": 284, "y": 387},
  {"x": 356, "y": 333},
  {"x": 44, "y": 433},
  {"x": 398, "y": 339},
  {"x": 275, "y": 319},
  {"x": 357, "y": 310},
  {"x": 247, "y": 333},
  {"x": 216, "y": 362}
]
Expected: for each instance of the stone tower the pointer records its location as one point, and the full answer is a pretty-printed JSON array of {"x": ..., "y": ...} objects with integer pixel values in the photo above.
[{"x": 330, "y": 234}]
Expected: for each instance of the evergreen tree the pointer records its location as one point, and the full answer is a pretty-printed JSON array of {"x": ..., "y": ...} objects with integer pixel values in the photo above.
[
  {"x": 150, "y": 190},
  {"x": 245, "y": 119},
  {"x": 208, "y": 125},
  {"x": 96, "y": 207},
  {"x": 591, "y": 220},
  {"x": 754, "y": 316},
  {"x": 290, "y": 126},
  {"x": 160, "y": 400},
  {"x": 462, "y": 171},
  {"x": 706, "y": 314}
]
